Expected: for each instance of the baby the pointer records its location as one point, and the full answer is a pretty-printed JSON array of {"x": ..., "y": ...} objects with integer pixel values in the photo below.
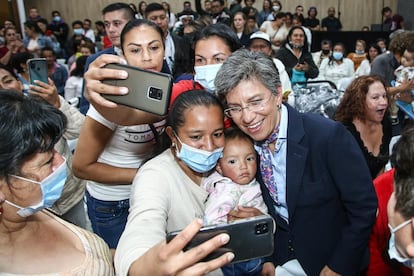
[
  {"x": 234, "y": 185},
  {"x": 405, "y": 72}
]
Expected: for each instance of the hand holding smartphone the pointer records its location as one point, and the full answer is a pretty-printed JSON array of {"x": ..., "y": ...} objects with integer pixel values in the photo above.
[
  {"x": 149, "y": 91},
  {"x": 37, "y": 70},
  {"x": 250, "y": 238}
]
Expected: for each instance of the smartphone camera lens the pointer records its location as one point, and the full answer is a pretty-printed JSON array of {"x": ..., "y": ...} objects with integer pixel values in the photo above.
[
  {"x": 155, "y": 93},
  {"x": 261, "y": 228}
]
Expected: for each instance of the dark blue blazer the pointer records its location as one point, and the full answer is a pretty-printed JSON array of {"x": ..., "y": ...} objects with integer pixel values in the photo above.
[{"x": 330, "y": 196}]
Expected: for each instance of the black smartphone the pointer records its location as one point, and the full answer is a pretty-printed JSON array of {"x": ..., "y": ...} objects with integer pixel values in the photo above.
[
  {"x": 250, "y": 238},
  {"x": 37, "y": 70},
  {"x": 149, "y": 91}
]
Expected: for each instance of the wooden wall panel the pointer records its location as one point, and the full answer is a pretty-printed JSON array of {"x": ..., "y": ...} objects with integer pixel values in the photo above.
[{"x": 354, "y": 13}]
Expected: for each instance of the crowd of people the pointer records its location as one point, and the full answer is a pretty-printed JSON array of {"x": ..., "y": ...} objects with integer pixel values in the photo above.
[{"x": 232, "y": 145}]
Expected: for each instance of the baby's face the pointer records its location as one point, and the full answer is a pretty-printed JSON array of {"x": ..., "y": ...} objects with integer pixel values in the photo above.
[
  {"x": 407, "y": 59},
  {"x": 239, "y": 161}
]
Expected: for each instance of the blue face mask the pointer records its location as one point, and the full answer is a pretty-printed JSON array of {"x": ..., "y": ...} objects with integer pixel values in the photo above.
[
  {"x": 392, "y": 250},
  {"x": 51, "y": 186},
  {"x": 337, "y": 55},
  {"x": 205, "y": 75},
  {"x": 78, "y": 31},
  {"x": 56, "y": 18},
  {"x": 198, "y": 160}
]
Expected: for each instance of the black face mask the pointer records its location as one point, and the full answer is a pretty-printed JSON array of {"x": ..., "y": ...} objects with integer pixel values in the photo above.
[{"x": 325, "y": 52}]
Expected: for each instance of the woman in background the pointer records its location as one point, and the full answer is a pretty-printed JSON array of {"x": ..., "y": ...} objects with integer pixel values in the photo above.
[
  {"x": 311, "y": 21},
  {"x": 142, "y": 5},
  {"x": 364, "y": 111},
  {"x": 337, "y": 66},
  {"x": 365, "y": 68},
  {"x": 359, "y": 55},
  {"x": 171, "y": 16},
  {"x": 74, "y": 84},
  {"x": 265, "y": 12},
  {"x": 11, "y": 47},
  {"x": 239, "y": 26},
  {"x": 276, "y": 30},
  {"x": 35, "y": 40},
  {"x": 295, "y": 56}
]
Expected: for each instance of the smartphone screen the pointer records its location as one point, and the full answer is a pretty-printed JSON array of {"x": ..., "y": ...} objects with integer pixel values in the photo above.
[{"x": 37, "y": 70}]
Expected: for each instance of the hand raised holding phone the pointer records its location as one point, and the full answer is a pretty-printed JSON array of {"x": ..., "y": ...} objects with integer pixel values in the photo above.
[{"x": 170, "y": 258}]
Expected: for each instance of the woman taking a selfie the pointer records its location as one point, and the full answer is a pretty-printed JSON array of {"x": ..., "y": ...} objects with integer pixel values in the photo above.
[
  {"x": 166, "y": 193},
  {"x": 108, "y": 155}
]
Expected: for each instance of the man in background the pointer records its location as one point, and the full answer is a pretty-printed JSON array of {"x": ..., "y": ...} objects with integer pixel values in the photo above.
[
  {"x": 115, "y": 17},
  {"x": 331, "y": 23}
]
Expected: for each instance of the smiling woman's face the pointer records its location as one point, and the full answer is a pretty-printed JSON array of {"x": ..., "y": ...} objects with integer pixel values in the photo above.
[{"x": 143, "y": 47}]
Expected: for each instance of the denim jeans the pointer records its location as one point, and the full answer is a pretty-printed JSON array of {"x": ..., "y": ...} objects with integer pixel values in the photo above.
[
  {"x": 108, "y": 218},
  {"x": 247, "y": 268}
]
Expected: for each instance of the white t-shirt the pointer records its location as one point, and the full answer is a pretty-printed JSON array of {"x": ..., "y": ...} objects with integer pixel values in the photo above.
[
  {"x": 278, "y": 34},
  {"x": 334, "y": 71},
  {"x": 128, "y": 147},
  {"x": 364, "y": 69},
  {"x": 73, "y": 87}
]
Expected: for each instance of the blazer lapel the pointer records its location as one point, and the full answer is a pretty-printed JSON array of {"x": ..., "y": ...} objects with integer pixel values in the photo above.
[{"x": 295, "y": 159}]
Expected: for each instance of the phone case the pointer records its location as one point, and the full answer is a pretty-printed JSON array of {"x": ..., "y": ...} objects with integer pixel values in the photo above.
[
  {"x": 149, "y": 91},
  {"x": 37, "y": 70},
  {"x": 250, "y": 238}
]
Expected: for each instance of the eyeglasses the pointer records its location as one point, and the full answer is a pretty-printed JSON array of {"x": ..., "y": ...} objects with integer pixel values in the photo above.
[
  {"x": 399, "y": 227},
  {"x": 253, "y": 106}
]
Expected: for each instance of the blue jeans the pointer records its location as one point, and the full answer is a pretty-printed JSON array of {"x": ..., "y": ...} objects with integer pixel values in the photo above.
[
  {"x": 247, "y": 268},
  {"x": 108, "y": 218}
]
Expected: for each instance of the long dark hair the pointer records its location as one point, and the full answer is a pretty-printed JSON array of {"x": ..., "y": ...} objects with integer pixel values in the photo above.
[{"x": 80, "y": 67}]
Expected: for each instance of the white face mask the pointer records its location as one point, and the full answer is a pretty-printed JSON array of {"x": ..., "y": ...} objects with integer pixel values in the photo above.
[
  {"x": 276, "y": 8},
  {"x": 206, "y": 74},
  {"x": 392, "y": 250}
]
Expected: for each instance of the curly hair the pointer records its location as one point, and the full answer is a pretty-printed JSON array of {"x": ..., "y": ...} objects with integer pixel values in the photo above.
[
  {"x": 401, "y": 41},
  {"x": 353, "y": 103}
]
